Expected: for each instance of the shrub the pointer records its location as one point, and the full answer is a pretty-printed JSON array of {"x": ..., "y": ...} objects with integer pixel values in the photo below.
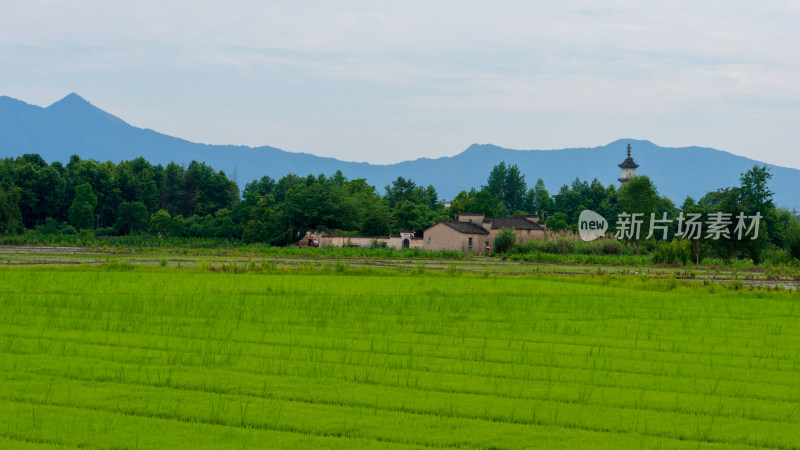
[
  {"x": 378, "y": 244},
  {"x": 504, "y": 240},
  {"x": 775, "y": 256},
  {"x": 611, "y": 246},
  {"x": 676, "y": 251},
  {"x": 50, "y": 226},
  {"x": 568, "y": 243},
  {"x": 86, "y": 237},
  {"x": 793, "y": 241}
]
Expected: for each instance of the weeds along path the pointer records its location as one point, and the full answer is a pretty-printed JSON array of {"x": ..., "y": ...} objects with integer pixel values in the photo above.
[
  {"x": 133, "y": 357},
  {"x": 335, "y": 258}
]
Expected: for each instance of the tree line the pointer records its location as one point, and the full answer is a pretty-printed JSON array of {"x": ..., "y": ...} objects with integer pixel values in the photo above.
[{"x": 197, "y": 201}]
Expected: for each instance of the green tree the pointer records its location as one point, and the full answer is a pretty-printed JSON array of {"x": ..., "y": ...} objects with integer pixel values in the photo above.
[
  {"x": 81, "y": 212},
  {"x": 136, "y": 182},
  {"x": 101, "y": 178},
  {"x": 506, "y": 185},
  {"x": 178, "y": 226},
  {"x": 42, "y": 190},
  {"x": 793, "y": 239},
  {"x": 376, "y": 224},
  {"x": 224, "y": 225},
  {"x": 171, "y": 195},
  {"x": 609, "y": 205},
  {"x": 756, "y": 197},
  {"x": 557, "y": 222},
  {"x": 514, "y": 189},
  {"x": 538, "y": 201},
  {"x": 207, "y": 191},
  {"x": 283, "y": 186},
  {"x": 254, "y": 231},
  {"x": 497, "y": 181},
  {"x": 639, "y": 196},
  {"x": 160, "y": 222},
  {"x": 697, "y": 244},
  {"x": 477, "y": 202},
  {"x": 367, "y": 206},
  {"x": 319, "y": 203},
  {"x": 402, "y": 190},
  {"x": 254, "y": 190},
  {"x": 754, "y": 192},
  {"x": 132, "y": 217},
  {"x": 430, "y": 198},
  {"x": 785, "y": 221},
  {"x": 266, "y": 220},
  {"x": 723, "y": 201},
  {"x": 10, "y": 215},
  {"x": 408, "y": 216}
]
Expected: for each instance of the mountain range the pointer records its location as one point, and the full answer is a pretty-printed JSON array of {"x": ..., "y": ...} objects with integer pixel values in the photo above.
[{"x": 72, "y": 125}]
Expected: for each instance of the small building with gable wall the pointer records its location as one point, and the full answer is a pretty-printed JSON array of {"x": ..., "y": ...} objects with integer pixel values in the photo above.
[
  {"x": 462, "y": 236},
  {"x": 473, "y": 233}
]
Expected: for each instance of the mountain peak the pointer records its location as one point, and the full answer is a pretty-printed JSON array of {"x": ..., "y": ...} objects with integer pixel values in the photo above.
[
  {"x": 73, "y": 107},
  {"x": 4, "y": 99},
  {"x": 481, "y": 148},
  {"x": 71, "y": 100},
  {"x": 642, "y": 143}
]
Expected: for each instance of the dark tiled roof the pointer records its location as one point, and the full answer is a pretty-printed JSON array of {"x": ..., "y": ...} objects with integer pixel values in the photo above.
[
  {"x": 516, "y": 222},
  {"x": 466, "y": 227},
  {"x": 628, "y": 163}
]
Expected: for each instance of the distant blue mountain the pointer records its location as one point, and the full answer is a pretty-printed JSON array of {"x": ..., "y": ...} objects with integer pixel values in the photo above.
[{"x": 74, "y": 126}]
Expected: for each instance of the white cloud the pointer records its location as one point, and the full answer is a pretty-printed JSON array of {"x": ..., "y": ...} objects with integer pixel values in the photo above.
[{"x": 336, "y": 77}]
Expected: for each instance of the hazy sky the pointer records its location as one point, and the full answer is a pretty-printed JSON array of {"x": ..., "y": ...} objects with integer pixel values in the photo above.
[{"x": 389, "y": 81}]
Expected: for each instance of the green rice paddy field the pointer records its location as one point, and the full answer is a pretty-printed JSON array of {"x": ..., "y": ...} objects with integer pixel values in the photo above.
[{"x": 98, "y": 357}]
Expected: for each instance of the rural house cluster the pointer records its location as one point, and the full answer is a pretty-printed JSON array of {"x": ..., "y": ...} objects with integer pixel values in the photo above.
[{"x": 470, "y": 233}]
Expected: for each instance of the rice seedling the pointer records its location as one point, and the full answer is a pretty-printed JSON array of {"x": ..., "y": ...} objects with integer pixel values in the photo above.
[{"x": 323, "y": 355}]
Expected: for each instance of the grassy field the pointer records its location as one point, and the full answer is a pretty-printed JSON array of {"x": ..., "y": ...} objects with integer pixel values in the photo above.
[
  {"x": 743, "y": 272},
  {"x": 127, "y": 356}
]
